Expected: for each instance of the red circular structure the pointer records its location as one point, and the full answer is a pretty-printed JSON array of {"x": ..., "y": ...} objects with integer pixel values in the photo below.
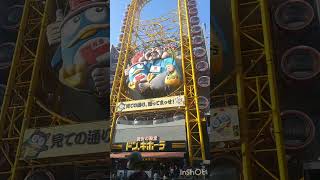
[
  {"x": 294, "y": 14},
  {"x": 203, "y": 102},
  {"x": 196, "y": 30},
  {"x": 192, "y": 3},
  {"x": 298, "y": 129},
  {"x": 301, "y": 63},
  {"x": 204, "y": 81},
  {"x": 193, "y": 11},
  {"x": 195, "y": 20},
  {"x": 198, "y": 41},
  {"x": 200, "y": 53},
  {"x": 202, "y": 66}
]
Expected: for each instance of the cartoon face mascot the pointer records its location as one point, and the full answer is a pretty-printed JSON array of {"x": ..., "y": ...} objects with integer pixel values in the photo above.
[
  {"x": 154, "y": 72},
  {"x": 164, "y": 72},
  {"x": 82, "y": 57},
  {"x": 137, "y": 72},
  {"x": 36, "y": 144}
]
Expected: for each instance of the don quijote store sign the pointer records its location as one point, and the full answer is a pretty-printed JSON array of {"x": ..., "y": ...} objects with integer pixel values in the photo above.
[{"x": 77, "y": 139}]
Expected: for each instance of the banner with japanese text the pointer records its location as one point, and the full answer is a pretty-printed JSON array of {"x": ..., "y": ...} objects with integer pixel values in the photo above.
[
  {"x": 147, "y": 104},
  {"x": 84, "y": 138}
]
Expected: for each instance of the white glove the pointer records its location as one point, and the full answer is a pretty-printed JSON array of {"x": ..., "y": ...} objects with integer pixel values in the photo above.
[
  {"x": 53, "y": 29},
  {"x": 101, "y": 81}
]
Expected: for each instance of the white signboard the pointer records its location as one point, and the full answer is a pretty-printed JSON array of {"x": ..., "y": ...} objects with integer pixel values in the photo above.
[
  {"x": 224, "y": 124},
  {"x": 84, "y": 138},
  {"x": 147, "y": 104}
]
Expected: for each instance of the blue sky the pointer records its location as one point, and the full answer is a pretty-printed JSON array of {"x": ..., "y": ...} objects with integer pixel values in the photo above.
[{"x": 154, "y": 9}]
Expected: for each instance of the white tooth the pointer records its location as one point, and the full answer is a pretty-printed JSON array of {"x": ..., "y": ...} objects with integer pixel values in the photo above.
[{"x": 103, "y": 57}]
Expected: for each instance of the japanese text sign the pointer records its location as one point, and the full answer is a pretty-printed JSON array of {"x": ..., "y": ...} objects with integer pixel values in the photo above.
[
  {"x": 84, "y": 138},
  {"x": 156, "y": 103},
  {"x": 146, "y": 146}
]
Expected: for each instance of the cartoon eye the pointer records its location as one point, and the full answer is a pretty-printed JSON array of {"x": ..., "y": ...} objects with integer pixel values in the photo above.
[
  {"x": 148, "y": 54},
  {"x": 71, "y": 26},
  {"x": 35, "y": 138},
  {"x": 96, "y": 14},
  {"x": 139, "y": 66},
  {"x": 131, "y": 71},
  {"x": 216, "y": 124},
  {"x": 41, "y": 141},
  {"x": 99, "y": 9},
  {"x": 76, "y": 19}
]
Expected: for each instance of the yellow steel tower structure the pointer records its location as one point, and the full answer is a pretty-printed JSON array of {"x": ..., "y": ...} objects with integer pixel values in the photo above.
[
  {"x": 21, "y": 108},
  {"x": 261, "y": 149},
  {"x": 194, "y": 121},
  {"x": 19, "y": 103}
]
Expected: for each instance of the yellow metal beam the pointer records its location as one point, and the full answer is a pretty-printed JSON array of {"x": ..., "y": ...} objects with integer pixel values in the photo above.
[
  {"x": 245, "y": 148},
  {"x": 117, "y": 87},
  {"x": 34, "y": 77},
  {"x": 196, "y": 146},
  {"x": 277, "y": 123},
  {"x": 256, "y": 90},
  {"x": 257, "y": 97}
]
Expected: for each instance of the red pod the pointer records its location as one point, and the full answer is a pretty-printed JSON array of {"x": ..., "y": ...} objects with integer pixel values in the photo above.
[
  {"x": 193, "y": 11},
  {"x": 204, "y": 81},
  {"x": 203, "y": 102},
  {"x": 195, "y": 20},
  {"x": 196, "y": 30},
  {"x": 301, "y": 63},
  {"x": 192, "y": 3},
  {"x": 199, "y": 53},
  {"x": 198, "y": 41},
  {"x": 202, "y": 66},
  {"x": 294, "y": 14},
  {"x": 298, "y": 129}
]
